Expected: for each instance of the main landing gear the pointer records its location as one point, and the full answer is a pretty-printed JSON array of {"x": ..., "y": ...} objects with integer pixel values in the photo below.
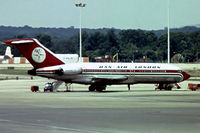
[
  {"x": 96, "y": 87},
  {"x": 100, "y": 88}
]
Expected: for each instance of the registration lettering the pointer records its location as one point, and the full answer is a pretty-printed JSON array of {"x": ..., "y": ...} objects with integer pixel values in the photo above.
[
  {"x": 147, "y": 67},
  {"x": 110, "y": 67}
]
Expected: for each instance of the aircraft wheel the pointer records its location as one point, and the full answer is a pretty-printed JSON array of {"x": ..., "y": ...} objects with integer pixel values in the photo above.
[
  {"x": 100, "y": 88},
  {"x": 92, "y": 88},
  {"x": 169, "y": 87}
]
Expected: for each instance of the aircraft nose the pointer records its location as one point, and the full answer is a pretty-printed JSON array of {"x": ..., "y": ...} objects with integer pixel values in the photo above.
[{"x": 185, "y": 76}]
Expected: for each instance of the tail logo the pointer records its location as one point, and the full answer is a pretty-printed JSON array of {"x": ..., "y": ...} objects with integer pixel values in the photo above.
[{"x": 38, "y": 55}]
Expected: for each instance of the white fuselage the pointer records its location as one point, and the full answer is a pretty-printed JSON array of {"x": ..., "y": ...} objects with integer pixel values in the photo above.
[
  {"x": 2, "y": 57},
  {"x": 114, "y": 73}
]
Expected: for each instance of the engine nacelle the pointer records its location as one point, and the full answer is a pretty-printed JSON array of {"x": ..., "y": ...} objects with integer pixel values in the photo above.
[{"x": 69, "y": 71}]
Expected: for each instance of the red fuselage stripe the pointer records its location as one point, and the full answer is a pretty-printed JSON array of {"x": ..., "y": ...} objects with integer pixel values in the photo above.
[{"x": 131, "y": 71}]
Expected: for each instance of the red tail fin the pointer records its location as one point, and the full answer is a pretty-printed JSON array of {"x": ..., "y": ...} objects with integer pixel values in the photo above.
[{"x": 35, "y": 52}]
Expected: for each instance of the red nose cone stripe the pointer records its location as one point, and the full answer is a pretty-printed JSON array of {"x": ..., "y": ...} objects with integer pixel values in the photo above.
[{"x": 185, "y": 76}]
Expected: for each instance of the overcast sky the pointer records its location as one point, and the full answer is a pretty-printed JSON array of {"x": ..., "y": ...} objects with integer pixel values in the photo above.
[{"x": 122, "y": 14}]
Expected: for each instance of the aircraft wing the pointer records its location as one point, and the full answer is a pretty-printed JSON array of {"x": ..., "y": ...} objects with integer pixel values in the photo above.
[{"x": 109, "y": 79}]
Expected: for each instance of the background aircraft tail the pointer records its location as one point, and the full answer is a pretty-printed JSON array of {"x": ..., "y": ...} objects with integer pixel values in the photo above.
[
  {"x": 38, "y": 55},
  {"x": 8, "y": 54}
]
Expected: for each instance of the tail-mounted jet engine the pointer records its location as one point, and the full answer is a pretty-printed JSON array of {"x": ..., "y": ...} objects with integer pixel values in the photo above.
[
  {"x": 59, "y": 71},
  {"x": 71, "y": 71}
]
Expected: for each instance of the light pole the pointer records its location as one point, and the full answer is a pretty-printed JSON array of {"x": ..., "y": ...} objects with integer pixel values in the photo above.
[
  {"x": 81, "y": 5},
  {"x": 168, "y": 37}
]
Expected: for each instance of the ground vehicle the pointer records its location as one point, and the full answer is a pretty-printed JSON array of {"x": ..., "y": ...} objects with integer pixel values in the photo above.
[
  {"x": 34, "y": 88},
  {"x": 48, "y": 87},
  {"x": 193, "y": 87}
]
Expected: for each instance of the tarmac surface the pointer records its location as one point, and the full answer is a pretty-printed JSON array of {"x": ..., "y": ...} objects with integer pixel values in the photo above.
[{"x": 117, "y": 110}]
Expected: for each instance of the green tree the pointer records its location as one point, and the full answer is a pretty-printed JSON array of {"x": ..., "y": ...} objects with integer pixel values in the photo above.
[
  {"x": 45, "y": 40},
  {"x": 162, "y": 47}
]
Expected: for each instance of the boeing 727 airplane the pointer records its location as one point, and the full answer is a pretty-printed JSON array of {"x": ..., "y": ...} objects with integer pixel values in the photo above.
[
  {"x": 97, "y": 75},
  {"x": 7, "y": 55}
]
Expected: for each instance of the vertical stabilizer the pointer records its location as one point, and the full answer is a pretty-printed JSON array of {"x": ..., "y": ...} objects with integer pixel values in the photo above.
[
  {"x": 8, "y": 53},
  {"x": 38, "y": 55}
]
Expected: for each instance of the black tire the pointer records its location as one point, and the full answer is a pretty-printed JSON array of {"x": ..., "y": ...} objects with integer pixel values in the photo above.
[
  {"x": 99, "y": 89},
  {"x": 51, "y": 90},
  {"x": 169, "y": 88},
  {"x": 92, "y": 88}
]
